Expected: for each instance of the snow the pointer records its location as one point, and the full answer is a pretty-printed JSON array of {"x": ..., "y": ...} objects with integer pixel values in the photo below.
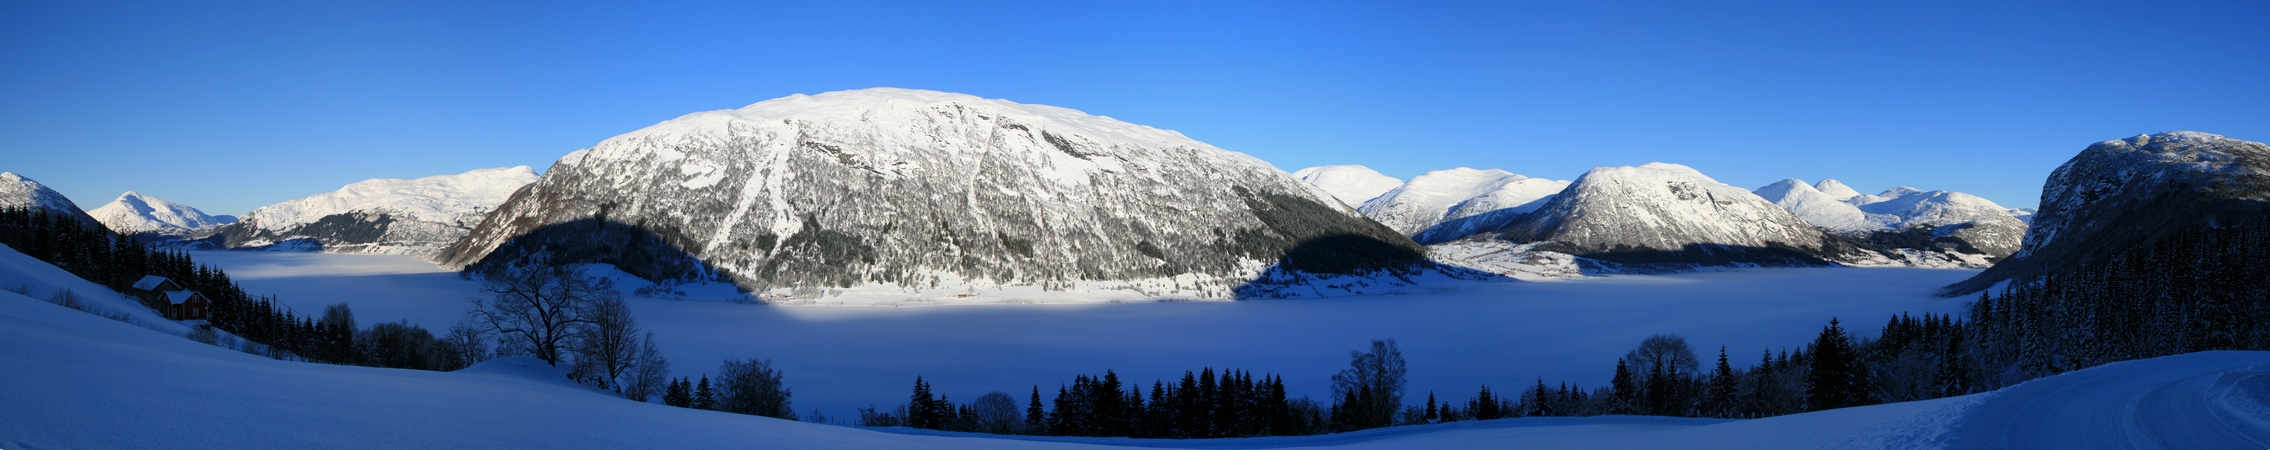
[
  {"x": 1351, "y": 184},
  {"x": 79, "y": 381},
  {"x": 1836, "y": 189},
  {"x": 1457, "y": 337},
  {"x": 440, "y": 199},
  {"x": 76, "y": 380},
  {"x": 136, "y": 212},
  {"x": 18, "y": 191},
  {"x": 1660, "y": 207},
  {"x": 1817, "y": 207},
  {"x": 1445, "y": 195}
]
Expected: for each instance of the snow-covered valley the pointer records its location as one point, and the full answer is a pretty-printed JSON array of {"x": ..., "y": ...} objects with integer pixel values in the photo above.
[
  {"x": 77, "y": 380},
  {"x": 1503, "y": 334}
]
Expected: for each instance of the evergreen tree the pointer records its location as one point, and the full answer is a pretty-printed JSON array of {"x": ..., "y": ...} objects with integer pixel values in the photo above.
[
  {"x": 704, "y": 398},
  {"x": 1622, "y": 390},
  {"x": 1829, "y": 383},
  {"x": 1036, "y": 420}
]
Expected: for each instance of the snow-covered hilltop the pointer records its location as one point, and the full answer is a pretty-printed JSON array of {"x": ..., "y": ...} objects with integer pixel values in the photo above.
[
  {"x": 1665, "y": 213},
  {"x": 1452, "y": 197},
  {"x": 380, "y": 215},
  {"x": 1351, "y": 184},
  {"x": 2120, "y": 193},
  {"x": 1964, "y": 223},
  {"x": 134, "y": 212},
  {"x": 19, "y": 192},
  {"x": 922, "y": 190}
]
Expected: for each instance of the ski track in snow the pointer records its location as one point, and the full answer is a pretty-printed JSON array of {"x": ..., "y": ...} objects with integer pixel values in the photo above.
[{"x": 2206, "y": 400}]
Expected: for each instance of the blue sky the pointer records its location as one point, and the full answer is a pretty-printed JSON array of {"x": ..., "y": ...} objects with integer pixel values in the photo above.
[{"x": 231, "y": 107}]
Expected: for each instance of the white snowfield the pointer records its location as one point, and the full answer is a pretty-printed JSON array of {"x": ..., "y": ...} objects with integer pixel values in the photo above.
[
  {"x": 75, "y": 381},
  {"x": 1351, "y": 184},
  {"x": 135, "y": 212},
  {"x": 1895, "y": 209},
  {"x": 443, "y": 199},
  {"x": 1446, "y": 195}
]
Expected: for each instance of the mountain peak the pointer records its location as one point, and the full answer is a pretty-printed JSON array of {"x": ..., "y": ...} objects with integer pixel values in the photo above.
[
  {"x": 1351, "y": 184},
  {"x": 135, "y": 212}
]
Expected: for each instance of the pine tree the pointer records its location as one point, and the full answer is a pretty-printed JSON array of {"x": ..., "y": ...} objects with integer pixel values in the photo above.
[
  {"x": 1036, "y": 419},
  {"x": 1622, "y": 390},
  {"x": 704, "y": 398},
  {"x": 1829, "y": 383},
  {"x": 1718, "y": 400}
]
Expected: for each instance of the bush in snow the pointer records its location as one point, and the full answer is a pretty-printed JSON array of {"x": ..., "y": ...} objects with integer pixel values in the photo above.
[{"x": 753, "y": 387}]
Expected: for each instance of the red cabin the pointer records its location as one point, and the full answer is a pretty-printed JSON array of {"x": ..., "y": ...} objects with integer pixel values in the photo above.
[{"x": 187, "y": 305}]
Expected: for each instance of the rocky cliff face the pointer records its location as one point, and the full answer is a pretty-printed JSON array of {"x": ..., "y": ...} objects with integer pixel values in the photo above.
[
  {"x": 382, "y": 215},
  {"x": 2122, "y": 193},
  {"x": 923, "y": 190}
]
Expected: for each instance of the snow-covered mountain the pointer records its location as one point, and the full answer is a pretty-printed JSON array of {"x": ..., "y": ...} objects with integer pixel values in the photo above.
[
  {"x": 1458, "y": 201},
  {"x": 1665, "y": 213},
  {"x": 1962, "y": 221},
  {"x": 17, "y": 191},
  {"x": 380, "y": 215},
  {"x": 2121, "y": 193},
  {"x": 134, "y": 212},
  {"x": 925, "y": 190},
  {"x": 1351, "y": 184}
]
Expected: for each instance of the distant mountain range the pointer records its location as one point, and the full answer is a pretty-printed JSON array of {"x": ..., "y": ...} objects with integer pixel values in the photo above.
[
  {"x": 1667, "y": 216},
  {"x": 134, "y": 212},
  {"x": 379, "y": 215},
  {"x": 922, "y": 191}
]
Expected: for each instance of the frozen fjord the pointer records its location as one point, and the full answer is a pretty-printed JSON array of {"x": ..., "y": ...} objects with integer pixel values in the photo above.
[{"x": 1505, "y": 334}]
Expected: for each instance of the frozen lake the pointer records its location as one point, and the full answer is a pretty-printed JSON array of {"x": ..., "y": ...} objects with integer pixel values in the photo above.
[{"x": 1506, "y": 335}]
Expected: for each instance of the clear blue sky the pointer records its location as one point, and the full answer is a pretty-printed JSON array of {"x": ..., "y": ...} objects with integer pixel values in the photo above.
[{"x": 228, "y": 108}]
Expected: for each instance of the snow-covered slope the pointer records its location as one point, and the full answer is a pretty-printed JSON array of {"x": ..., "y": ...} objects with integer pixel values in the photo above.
[
  {"x": 1829, "y": 211},
  {"x": 17, "y": 191},
  {"x": 2120, "y": 193},
  {"x": 1352, "y": 184},
  {"x": 928, "y": 190},
  {"x": 134, "y": 212},
  {"x": 1666, "y": 213},
  {"x": 381, "y": 215},
  {"x": 1447, "y": 196}
]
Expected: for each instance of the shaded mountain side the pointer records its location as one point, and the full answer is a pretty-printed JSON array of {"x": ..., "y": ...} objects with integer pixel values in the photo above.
[{"x": 2123, "y": 193}]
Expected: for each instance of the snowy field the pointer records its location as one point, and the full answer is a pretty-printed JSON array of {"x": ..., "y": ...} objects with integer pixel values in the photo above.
[
  {"x": 77, "y": 381},
  {"x": 1505, "y": 334}
]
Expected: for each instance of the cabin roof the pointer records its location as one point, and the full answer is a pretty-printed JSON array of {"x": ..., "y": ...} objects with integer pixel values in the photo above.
[
  {"x": 151, "y": 282},
  {"x": 177, "y": 297}
]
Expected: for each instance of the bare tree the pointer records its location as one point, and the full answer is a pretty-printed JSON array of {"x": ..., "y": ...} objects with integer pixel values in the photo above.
[
  {"x": 468, "y": 343},
  {"x": 649, "y": 371},
  {"x": 1669, "y": 349},
  {"x": 607, "y": 344},
  {"x": 539, "y": 305},
  {"x": 1379, "y": 372},
  {"x": 997, "y": 413}
]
